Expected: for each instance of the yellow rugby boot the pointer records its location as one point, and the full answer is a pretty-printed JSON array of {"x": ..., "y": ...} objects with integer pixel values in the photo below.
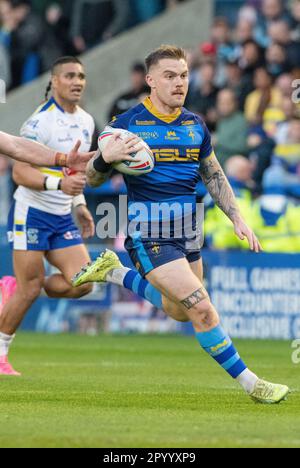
[
  {"x": 96, "y": 272},
  {"x": 269, "y": 393}
]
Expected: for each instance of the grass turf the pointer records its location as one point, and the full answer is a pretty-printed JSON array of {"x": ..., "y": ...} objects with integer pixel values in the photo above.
[{"x": 141, "y": 391}]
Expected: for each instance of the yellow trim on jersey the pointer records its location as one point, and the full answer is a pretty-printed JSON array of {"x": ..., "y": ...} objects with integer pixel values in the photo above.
[
  {"x": 164, "y": 117},
  {"x": 51, "y": 108},
  {"x": 52, "y": 172}
]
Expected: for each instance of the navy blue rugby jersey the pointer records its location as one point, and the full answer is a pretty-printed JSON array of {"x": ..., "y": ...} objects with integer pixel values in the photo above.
[{"x": 178, "y": 143}]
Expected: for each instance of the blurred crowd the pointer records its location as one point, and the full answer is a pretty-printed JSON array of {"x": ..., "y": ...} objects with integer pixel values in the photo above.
[
  {"x": 34, "y": 33},
  {"x": 244, "y": 82}
]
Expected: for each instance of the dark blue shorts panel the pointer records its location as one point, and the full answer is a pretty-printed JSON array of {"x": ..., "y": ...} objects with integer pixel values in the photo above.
[
  {"x": 148, "y": 254},
  {"x": 32, "y": 229}
]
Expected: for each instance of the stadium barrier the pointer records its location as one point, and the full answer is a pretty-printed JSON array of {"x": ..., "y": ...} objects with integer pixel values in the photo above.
[{"x": 257, "y": 296}]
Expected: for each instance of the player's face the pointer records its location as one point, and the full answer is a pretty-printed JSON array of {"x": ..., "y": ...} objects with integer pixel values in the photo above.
[
  {"x": 69, "y": 82},
  {"x": 169, "y": 82}
]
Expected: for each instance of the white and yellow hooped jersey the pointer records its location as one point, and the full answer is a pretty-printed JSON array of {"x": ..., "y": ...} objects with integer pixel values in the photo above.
[{"x": 59, "y": 130}]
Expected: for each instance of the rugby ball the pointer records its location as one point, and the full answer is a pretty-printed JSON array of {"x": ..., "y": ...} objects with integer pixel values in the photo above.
[{"x": 145, "y": 157}]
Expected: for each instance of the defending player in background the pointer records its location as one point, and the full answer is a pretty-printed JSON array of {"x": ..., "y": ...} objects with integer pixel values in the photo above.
[
  {"x": 40, "y": 222},
  {"x": 173, "y": 270}
]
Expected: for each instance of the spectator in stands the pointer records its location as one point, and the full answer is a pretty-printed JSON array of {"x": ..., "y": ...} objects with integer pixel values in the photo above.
[
  {"x": 93, "y": 21},
  {"x": 235, "y": 80},
  {"x": 202, "y": 100},
  {"x": 25, "y": 35},
  {"x": 280, "y": 33},
  {"x": 133, "y": 96},
  {"x": 231, "y": 133},
  {"x": 57, "y": 19},
  {"x": 295, "y": 21},
  {"x": 221, "y": 38},
  {"x": 264, "y": 96},
  {"x": 31, "y": 45},
  {"x": 272, "y": 10},
  {"x": 285, "y": 167},
  {"x": 252, "y": 57},
  {"x": 276, "y": 60},
  {"x": 285, "y": 84},
  {"x": 244, "y": 31}
]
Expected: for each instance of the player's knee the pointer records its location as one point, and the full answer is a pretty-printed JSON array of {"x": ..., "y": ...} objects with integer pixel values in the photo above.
[
  {"x": 31, "y": 291},
  {"x": 83, "y": 290},
  {"x": 205, "y": 314},
  {"x": 176, "y": 313}
]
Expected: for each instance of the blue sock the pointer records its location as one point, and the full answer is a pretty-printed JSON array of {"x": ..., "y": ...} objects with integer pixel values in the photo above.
[
  {"x": 143, "y": 288},
  {"x": 219, "y": 346}
]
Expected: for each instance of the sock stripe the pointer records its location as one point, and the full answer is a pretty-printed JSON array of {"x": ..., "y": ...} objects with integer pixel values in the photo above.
[
  {"x": 231, "y": 362},
  {"x": 237, "y": 369},
  {"x": 227, "y": 354},
  {"x": 129, "y": 278},
  {"x": 142, "y": 288},
  {"x": 136, "y": 284}
]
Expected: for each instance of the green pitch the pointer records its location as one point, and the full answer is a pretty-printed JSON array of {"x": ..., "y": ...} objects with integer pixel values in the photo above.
[{"x": 141, "y": 391}]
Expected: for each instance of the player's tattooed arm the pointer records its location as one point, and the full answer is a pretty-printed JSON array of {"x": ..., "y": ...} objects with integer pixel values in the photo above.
[
  {"x": 95, "y": 178},
  {"x": 218, "y": 186}
]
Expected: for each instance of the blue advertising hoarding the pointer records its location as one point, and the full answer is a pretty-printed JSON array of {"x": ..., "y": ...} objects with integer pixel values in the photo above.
[{"x": 256, "y": 295}]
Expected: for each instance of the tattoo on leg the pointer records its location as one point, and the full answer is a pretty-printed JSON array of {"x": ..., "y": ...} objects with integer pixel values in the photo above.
[{"x": 195, "y": 298}]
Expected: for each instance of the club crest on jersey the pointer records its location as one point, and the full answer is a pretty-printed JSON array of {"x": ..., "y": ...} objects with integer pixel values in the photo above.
[{"x": 192, "y": 135}]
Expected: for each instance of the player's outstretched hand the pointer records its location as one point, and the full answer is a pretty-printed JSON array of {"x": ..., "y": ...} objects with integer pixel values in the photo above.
[
  {"x": 119, "y": 150},
  {"x": 85, "y": 221},
  {"x": 243, "y": 231},
  {"x": 74, "y": 184},
  {"x": 78, "y": 161}
]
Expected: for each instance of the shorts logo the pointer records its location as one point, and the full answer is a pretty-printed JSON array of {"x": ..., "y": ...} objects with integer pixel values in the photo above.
[
  {"x": 70, "y": 235},
  {"x": 32, "y": 236},
  {"x": 155, "y": 249}
]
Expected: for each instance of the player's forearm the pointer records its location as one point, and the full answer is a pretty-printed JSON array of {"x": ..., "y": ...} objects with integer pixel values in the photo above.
[
  {"x": 20, "y": 149},
  {"x": 96, "y": 177},
  {"x": 219, "y": 188},
  {"x": 27, "y": 176},
  {"x": 31, "y": 152}
]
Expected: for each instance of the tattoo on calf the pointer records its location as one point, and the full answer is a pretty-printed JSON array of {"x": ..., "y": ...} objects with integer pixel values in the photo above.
[{"x": 195, "y": 298}]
